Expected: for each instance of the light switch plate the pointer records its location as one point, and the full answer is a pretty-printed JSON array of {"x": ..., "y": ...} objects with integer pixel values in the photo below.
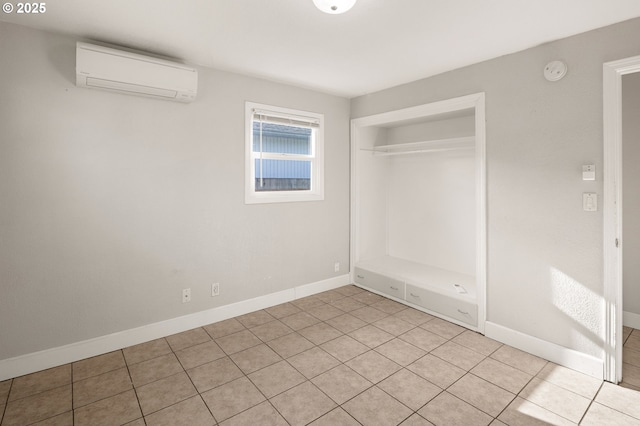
[
  {"x": 590, "y": 201},
  {"x": 589, "y": 172}
]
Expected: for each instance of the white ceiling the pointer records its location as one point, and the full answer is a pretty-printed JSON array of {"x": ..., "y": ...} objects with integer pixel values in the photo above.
[{"x": 376, "y": 45}]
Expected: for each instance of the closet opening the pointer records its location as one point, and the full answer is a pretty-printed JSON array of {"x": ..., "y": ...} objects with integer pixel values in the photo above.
[{"x": 419, "y": 207}]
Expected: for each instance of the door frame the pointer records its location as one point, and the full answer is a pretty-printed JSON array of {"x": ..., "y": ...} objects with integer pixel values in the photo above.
[{"x": 612, "y": 212}]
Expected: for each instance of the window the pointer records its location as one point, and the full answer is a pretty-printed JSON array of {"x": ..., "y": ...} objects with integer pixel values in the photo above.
[{"x": 284, "y": 155}]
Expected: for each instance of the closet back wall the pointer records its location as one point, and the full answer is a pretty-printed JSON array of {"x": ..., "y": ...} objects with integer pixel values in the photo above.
[
  {"x": 431, "y": 204},
  {"x": 111, "y": 204},
  {"x": 432, "y": 209}
]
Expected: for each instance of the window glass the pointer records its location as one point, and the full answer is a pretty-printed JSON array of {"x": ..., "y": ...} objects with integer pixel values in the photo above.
[
  {"x": 283, "y": 175},
  {"x": 284, "y": 155},
  {"x": 281, "y": 138}
]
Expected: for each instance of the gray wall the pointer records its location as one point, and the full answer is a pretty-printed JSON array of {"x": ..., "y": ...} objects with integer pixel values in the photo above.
[
  {"x": 544, "y": 252},
  {"x": 111, "y": 204},
  {"x": 631, "y": 194}
]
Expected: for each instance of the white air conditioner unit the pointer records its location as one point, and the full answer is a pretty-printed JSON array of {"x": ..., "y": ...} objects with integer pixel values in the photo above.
[{"x": 118, "y": 71}]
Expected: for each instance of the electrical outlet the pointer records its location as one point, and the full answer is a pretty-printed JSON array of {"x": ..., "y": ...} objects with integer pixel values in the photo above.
[
  {"x": 336, "y": 267},
  {"x": 215, "y": 289},
  {"x": 186, "y": 295}
]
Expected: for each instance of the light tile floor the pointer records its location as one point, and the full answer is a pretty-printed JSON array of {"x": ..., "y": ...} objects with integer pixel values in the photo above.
[{"x": 342, "y": 357}]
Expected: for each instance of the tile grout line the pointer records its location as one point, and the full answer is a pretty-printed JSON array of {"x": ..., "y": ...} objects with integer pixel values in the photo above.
[
  {"x": 612, "y": 408},
  {"x": 505, "y": 408},
  {"x": 456, "y": 381},
  {"x": 591, "y": 402},
  {"x": 6, "y": 403},
  {"x": 73, "y": 384},
  {"x": 135, "y": 391},
  {"x": 519, "y": 369},
  {"x": 171, "y": 375},
  {"x": 171, "y": 405},
  {"x": 515, "y": 395},
  {"x": 184, "y": 370},
  {"x": 250, "y": 381}
]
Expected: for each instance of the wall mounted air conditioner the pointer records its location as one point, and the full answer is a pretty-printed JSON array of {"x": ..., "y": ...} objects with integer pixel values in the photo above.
[{"x": 118, "y": 71}]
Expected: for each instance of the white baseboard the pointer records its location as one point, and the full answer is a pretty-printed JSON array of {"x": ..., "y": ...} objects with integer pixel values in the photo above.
[
  {"x": 630, "y": 319},
  {"x": 320, "y": 286},
  {"x": 37, "y": 361},
  {"x": 566, "y": 357}
]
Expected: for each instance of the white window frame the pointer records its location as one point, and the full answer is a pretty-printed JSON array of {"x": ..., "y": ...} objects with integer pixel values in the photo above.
[{"x": 316, "y": 191}]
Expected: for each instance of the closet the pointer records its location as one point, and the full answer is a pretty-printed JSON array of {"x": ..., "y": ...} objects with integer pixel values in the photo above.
[{"x": 418, "y": 211}]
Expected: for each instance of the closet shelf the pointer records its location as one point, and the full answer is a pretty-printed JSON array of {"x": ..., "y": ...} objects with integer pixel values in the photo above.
[{"x": 437, "y": 145}]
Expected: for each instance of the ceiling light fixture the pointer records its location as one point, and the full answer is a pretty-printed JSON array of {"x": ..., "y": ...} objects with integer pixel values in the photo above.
[{"x": 334, "y": 6}]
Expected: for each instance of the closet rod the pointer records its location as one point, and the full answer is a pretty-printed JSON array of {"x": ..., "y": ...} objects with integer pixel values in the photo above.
[
  {"x": 417, "y": 151},
  {"x": 424, "y": 146}
]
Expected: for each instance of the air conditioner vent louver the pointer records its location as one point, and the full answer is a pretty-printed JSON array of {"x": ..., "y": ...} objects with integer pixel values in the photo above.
[{"x": 130, "y": 73}]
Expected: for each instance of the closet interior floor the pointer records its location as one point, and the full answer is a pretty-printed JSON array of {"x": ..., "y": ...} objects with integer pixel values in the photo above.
[{"x": 342, "y": 357}]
